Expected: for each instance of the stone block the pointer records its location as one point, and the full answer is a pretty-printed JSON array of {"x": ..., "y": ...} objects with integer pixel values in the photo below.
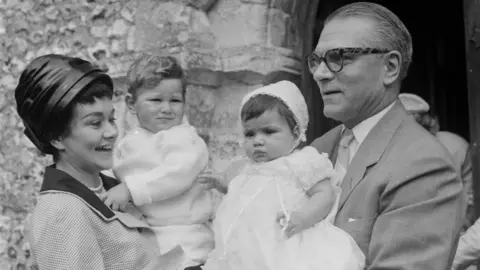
[
  {"x": 204, "y": 5},
  {"x": 284, "y": 5},
  {"x": 119, "y": 28},
  {"x": 256, "y": 2},
  {"x": 247, "y": 22},
  {"x": 201, "y": 101},
  {"x": 278, "y": 28},
  {"x": 284, "y": 31},
  {"x": 202, "y": 68}
]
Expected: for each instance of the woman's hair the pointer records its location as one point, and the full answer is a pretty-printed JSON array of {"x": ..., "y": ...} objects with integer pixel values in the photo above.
[
  {"x": 428, "y": 121},
  {"x": 149, "y": 70},
  {"x": 49, "y": 89},
  {"x": 259, "y": 104}
]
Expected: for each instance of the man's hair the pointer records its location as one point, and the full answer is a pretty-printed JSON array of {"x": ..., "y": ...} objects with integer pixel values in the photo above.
[
  {"x": 149, "y": 70},
  {"x": 390, "y": 32}
]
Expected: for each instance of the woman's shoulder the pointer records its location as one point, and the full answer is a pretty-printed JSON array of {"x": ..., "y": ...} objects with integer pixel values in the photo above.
[
  {"x": 60, "y": 209},
  {"x": 59, "y": 203}
]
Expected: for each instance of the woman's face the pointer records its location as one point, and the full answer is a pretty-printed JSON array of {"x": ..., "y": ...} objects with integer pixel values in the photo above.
[{"x": 92, "y": 133}]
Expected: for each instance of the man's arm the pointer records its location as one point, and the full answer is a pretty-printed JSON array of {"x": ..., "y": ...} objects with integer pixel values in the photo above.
[{"x": 420, "y": 214}]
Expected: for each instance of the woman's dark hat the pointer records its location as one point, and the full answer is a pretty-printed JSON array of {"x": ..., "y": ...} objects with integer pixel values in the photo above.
[{"x": 47, "y": 86}]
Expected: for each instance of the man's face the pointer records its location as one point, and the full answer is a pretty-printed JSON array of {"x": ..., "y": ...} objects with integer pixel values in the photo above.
[{"x": 350, "y": 94}]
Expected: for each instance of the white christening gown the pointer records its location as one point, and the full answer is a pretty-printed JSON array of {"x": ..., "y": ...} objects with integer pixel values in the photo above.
[{"x": 247, "y": 236}]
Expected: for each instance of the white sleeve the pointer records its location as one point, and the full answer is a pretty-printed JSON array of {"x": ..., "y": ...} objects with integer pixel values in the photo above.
[
  {"x": 185, "y": 156},
  {"x": 310, "y": 167}
]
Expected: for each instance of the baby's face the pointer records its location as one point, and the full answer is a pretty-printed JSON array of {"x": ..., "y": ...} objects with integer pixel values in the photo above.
[
  {"x": 162, "y": 107},
  {"x": 267, "y": 137}
]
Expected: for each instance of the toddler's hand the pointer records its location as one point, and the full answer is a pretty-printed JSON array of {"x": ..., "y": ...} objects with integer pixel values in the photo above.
[
  {"x": 117, "y": 197},
  {"x": 292, "y": 224},
  {"x": 212, "y": 181}
]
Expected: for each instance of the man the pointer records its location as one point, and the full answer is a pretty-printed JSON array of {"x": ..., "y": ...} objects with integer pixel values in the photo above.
[{"x": 401, "y": 198}]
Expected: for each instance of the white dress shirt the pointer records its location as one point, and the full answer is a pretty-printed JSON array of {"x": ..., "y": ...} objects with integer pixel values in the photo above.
[{"x": 360, "y": 132}]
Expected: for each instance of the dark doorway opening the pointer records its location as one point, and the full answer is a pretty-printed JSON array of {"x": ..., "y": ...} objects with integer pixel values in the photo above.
[{"x": 438, "y": 71}]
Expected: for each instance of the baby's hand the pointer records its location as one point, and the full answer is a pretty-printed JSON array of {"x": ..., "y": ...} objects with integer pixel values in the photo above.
[
  {"x": 212, "y": 181},
  {"x": 292, "y": 224},
  {"x": 117, "y": 197}
]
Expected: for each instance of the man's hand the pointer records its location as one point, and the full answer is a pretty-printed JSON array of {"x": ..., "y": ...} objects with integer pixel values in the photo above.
[{"x": 117, "y": 197}]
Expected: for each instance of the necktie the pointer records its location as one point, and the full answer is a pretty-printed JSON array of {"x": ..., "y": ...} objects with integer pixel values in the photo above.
[{"x": 343, "y": 152}]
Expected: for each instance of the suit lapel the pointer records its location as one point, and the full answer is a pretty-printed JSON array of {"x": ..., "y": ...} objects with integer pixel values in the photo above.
[
  {"x": 371, "y": 149},
  {"x": 328, "y": 143}
]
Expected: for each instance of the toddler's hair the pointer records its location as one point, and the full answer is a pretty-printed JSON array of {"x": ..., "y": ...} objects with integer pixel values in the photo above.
[
  {"x": 149, "y": 70},
  {"x": 259, "y": 104}
]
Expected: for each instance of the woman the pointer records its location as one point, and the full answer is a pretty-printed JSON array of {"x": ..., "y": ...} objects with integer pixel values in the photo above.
[{"x": 66, "y": 106}]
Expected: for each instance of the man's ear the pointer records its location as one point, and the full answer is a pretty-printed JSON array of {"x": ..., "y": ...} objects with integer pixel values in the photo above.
[
  {"x": 392, "y": 64},
  {"x": 130, "y": 102}
]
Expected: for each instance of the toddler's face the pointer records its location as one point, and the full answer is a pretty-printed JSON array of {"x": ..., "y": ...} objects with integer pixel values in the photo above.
[
  {"x": 160, "y": 108},
  {"x": 267, "y": 137}
]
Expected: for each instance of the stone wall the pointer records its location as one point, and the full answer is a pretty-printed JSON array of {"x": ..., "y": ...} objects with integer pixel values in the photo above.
[
  {"x": 100, "y": 31},
  {"x": 227, "y": 48}
]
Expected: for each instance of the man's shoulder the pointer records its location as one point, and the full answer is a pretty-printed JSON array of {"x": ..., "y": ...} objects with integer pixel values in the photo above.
[
  {"x": 327, "y": 138},
  {"x": 413, "y": 137}
]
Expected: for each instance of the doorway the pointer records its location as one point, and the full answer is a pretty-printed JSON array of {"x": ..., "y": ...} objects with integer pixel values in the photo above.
[{"x": 438, "y": 70}]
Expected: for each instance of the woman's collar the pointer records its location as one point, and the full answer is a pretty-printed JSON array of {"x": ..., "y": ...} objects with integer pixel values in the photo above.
[{"x": 57, "y": 180}]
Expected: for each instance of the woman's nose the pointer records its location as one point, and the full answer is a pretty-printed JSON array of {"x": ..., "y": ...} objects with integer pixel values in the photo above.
[{"x": 111, "y": 131}]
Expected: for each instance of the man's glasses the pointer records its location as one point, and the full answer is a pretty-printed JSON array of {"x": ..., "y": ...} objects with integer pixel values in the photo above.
[{"x": 334, "y": 57}]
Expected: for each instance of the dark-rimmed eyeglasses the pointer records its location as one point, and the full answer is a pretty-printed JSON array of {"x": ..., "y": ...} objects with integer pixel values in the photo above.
[{"x": 334, "y": 58}]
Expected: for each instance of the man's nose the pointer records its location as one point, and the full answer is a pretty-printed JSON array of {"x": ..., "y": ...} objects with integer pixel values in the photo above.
[{"x": 322, "y": 72}]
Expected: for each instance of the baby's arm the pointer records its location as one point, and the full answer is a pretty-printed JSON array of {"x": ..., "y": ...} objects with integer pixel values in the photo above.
[
  {"x": 314, "y": 172},
  {"x": 322, "y": 199},
  {"x": 186, "y": 155},
  {"x": 220, "y": 182}
]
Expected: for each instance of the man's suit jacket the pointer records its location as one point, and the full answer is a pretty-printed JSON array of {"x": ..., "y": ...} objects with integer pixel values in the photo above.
[{"x": 402, "y": 202}]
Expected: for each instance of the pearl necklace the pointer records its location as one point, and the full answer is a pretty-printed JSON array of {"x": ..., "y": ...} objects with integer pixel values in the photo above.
[{"x": 99, "y": 189}]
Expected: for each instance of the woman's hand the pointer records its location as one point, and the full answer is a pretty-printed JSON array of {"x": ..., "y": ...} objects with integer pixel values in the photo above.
[{"x": 117, "y": 197}]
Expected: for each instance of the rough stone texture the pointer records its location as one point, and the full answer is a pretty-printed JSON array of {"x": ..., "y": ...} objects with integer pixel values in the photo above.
[
  {"x": 99, "y": 32},
  {"x": 227, "y": 48}
]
